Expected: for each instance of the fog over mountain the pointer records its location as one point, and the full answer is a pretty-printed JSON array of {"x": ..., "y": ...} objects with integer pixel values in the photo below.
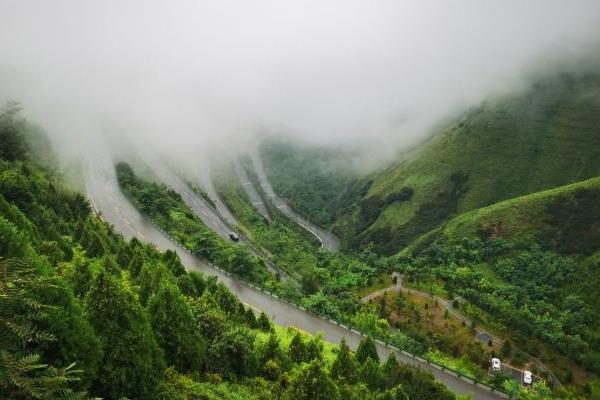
[{"x": 188, "y": 78}]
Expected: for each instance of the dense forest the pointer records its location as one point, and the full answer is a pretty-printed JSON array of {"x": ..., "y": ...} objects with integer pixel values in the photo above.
[{"x": 85, "y": 313}]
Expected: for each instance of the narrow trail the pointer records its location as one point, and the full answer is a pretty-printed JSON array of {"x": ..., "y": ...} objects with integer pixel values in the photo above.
[{"x": 480, "y": 334}]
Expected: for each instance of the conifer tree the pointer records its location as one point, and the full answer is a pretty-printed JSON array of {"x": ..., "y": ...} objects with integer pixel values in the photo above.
[
  {"x": 366, "y": 349},
  {"x": 264, "y": 324},
  {"x": 133, "y": 363},
  {"x": 344, "y": 366},
  {"x": 174, "y": 328},
  {"x": 297, "y": 349}
]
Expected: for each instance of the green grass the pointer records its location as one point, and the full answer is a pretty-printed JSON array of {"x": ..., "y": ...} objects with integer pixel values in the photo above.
[
  {"x": 285, "y": 334},
  {"x": 543, "y": 138},
  {"x": 381, "y": 282},
  {"x": 532, "y": 218}
]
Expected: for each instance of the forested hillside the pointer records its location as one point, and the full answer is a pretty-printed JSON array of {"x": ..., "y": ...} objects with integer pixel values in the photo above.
[
  {"x": 501, "y": 210},
  {"x": 85, "y": 313},
  {"x": 318, "y": 183},
  {"x": 544, "y": 137},
  {"x": 531, "y": 263}
]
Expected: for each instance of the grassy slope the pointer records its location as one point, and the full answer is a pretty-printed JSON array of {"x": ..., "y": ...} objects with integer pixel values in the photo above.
[
  {"x": 543, "y": 138},
  {"x": 529, "y": 218},
  {"x": 564, "y": 219}
]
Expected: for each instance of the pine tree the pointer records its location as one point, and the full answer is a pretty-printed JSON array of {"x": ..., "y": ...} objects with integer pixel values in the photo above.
[
  {"x": 312, "y": 383},
  {"x": 366, "y": 349},
  {"x": 391, "y": 372},
  {"x": 232, "y": 353},
  {"x": 314, "y": 348},
  {"x": 370, "y": 374},
  {"x": 186, "y": 285},
  {"x": 297, "y": 349},
  {"x": 136, "y": 263},
  {"x": 133, "y": 363},
  {"x": 150, "y": 277},
  {"x": 344, "y": 366},
  {"x": 24, "y": 375},
  {"x": 506, "y": 349},
  {"x": 251, "y": 320},
  {"x": 396, "y": 393},
  {"x": 264, "y": 324},
  {"x": 271, "y": 350},
  {"x": 174, "y": 328},
  {"x": 173, "y": 263}
]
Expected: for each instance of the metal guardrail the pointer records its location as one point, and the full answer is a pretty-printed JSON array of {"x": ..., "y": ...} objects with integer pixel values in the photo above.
[
  {"x": 250, "y": 243},
  {"x": 332, "y": 320},
  {"x": 381, "y": 341}
]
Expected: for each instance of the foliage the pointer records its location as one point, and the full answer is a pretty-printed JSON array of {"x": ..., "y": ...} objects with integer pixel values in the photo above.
[
  {"x": 367, "y": 350},
  {"x": 168, "y": 210},
  {"x": 318, "y": 182},
  {"x": 532, "y": 290},
  {"x": 312, "y": 383},
  {"x": 135, "y": 321},
  {"x": 174, "y": 328},
  {"x": 133, "y": 363},
  {"x": 540, "y": 138}
]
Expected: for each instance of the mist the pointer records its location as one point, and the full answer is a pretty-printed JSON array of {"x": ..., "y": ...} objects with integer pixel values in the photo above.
[{"x": 185, "y": 80}]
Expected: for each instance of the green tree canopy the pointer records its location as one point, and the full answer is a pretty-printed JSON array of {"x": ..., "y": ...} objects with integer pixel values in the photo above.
[
  {"x": 367, "y": 350},
  {"x": 312, "y": 383},
  {"x": 344, "y": 366},
  {"x": 175, "y": 329},
  {"x": 133, "y": 363}
]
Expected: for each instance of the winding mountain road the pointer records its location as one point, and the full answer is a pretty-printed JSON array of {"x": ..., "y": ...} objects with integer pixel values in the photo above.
[
  {"x": 107, "y": 198},
  {"x": 255, "y": 199},
  {"x": 203, "y": 178},
  {"x": 211, "y": 217},
  {"x": 328, "y": 240}
]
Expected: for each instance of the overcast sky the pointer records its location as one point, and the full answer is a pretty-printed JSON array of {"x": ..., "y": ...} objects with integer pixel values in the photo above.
[{"x": 182, "y": 77}]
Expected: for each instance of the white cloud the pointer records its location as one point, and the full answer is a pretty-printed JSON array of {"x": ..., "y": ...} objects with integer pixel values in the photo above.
[{"x": 182, "y": 77}]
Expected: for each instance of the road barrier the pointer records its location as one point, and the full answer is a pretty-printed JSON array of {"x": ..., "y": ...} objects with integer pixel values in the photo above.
[{"x": 333, "y": 320}]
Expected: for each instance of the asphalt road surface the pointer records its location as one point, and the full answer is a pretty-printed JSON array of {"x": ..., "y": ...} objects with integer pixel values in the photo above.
[
  {"x": 255, "y": 199},
  {"x": 209, "y": 215},
  {"x": 105, "y": 194},
  {"x": 205, "y": 181},
  {"x": 327, "y": 239}
]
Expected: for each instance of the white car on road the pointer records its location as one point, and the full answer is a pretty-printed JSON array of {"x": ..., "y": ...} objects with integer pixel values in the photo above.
[
  {"x": 527, "y": 377},
  {"x": 495, "y": 364}
]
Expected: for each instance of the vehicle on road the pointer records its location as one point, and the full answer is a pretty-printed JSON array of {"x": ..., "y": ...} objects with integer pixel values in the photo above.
[
  {"x": 234, "y": 236},
  {"x": 495, "y": 364},
  {"x": 527, "y": 377}
]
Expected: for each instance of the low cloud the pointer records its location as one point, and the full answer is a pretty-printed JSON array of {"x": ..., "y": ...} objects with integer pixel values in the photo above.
[{"x": 185, "y": 79}]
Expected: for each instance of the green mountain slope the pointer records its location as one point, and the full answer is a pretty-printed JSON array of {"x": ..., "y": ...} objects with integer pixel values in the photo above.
[
  {"x": 86, "y": 314},
  {"x": 564, "y": 219},
  {"x": 319, "y": 183},
  {"x": 532, "y": 263},
  {"x": 545, "y": 137}
]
